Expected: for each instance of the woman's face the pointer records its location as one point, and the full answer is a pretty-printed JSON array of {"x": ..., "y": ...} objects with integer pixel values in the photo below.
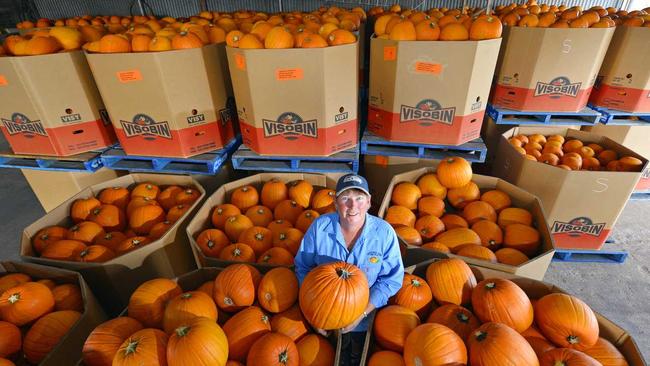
[{"x": 352, "y": 206}]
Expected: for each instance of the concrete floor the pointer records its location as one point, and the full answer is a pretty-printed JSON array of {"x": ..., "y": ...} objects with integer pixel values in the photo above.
[{"x": 620, "y": 292}]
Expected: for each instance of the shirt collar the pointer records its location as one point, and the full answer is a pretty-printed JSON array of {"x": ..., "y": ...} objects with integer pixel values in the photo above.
[{"x": 338, "y": 235}]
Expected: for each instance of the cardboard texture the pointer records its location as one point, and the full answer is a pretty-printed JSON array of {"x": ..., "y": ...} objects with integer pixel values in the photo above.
[
  {"x": 581, "y": 206},
  {"x": 69, "y": 347},
  {"x": 114, "y": 281},
  {"x": 202, "y": 218},
  {"x": 173, "y": 103},
  {"x": 636, "y": 138},
  {"x": 429, "y": 92},
  {"x": 53, "y": 188},
  {"x": 51, "y": 105},
  {"x": 297, "y": 102},
  {"x": 624, "y": 79},
  {"x": 549, "y": 69},
  {"x": 536, "y": 267},
  {"x": 535, "y": 290}
]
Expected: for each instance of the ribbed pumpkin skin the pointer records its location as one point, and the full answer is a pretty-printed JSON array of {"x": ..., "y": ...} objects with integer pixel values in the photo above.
[
  {"x": 12, "y": 280},
  {"x": 25, "y": 303},
  {"x": 144, "y": 347},
  {"x": 386, "y": 358},
  {"x": 199, "y": 342},
  {"x": 333, "y": 295},
  {"x": 566, "y": 321},
  {"x": 104, "y": 341},
  {"x": 274, "y": 192},
  {"x": 451, "y": 281},
  {"x": 46, "y": 333},
  {"x": 273, "y": 349},
  {"x": 235, "y": 287},
  {"x": 243, "y": 329},
  {"x": 539, "y": 345},
  {"x": 434, "y": 345},
  {"x": 278, "y": 290},
  {"x": 182, "y": 308},
  {"x": 11, "y": 339},
  {"x": 477, "y": 252},
  {"x": 567, "y": 356},
  {"x": 456, "y": 318},
  {"x": 496, "y": 344},
  {"x": 290, "y": 323},
  {"x": 301, "y": 192},
  {"x": 392, "y": 325},
  {"x": 502, "y": 301},
  {"x": 415, "y": 294},
  {"x": 454, "y": 172},
  {"x": 68, "y": 297},
  {"x": 606, "y": 353},
  {"x": 457, "y": 237},
  {"x": 147, "y": 304},
  {"x": 314, "y": 350}
]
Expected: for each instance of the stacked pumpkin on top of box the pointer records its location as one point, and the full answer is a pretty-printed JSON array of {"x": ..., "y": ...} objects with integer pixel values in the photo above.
[{"x": 452, "y": 211}]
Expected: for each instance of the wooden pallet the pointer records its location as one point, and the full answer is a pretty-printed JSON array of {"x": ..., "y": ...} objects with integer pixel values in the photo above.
[
  {"x": 613, "y": 117},
  {"x": 88, "y": 162},
  {"x": 502, "y": 116},
  {"x": 371, "y": 144},
  {"x": 206, "y": 163},
  {"x": 343, "y": 162}
]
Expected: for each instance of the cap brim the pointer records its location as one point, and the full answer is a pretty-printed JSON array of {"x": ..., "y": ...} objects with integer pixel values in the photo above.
[{"x": 348, "y": 188}]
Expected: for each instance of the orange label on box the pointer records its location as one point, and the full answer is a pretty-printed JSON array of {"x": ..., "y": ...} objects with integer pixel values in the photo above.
[
  {"x": 3, "y": 81},
  {"x": 129, "y": 75},
  {"x": 381, "y": 160},
  {"x": 428, "y": 68},
  {"x": 289, "y": 74},
  {"x": 390, "y": 53},
  {"x": 240, "y": 61}
]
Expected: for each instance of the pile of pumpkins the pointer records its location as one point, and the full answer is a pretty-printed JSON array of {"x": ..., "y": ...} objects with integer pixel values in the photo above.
[
  {"x": 34, "y": 316},
  {"x": 447, "y": 212},
  {"x": 264, "y": 226},
  {"x": 572, "y": 154},
  {"x": 240, "y": 317},
  {"x": 533, "y": 15},
  {"x": 450, "y": 319},
  {"x": 115, "y": 222}
]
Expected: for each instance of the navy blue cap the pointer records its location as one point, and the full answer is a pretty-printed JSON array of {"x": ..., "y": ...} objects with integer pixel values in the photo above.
[{"x": 350, "y": 181}]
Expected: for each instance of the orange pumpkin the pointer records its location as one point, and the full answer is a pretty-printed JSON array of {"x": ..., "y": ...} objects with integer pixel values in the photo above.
[
  {"x": 539, "y": 345},
  {"x": 479, "y": 210},
  {"x": 434, "y": 344},
  {"x": 288, "y": 239},
  {"x": 409, "y": 235},
  {"x": 566, "y": 356},
  {"x": 274, "y": 349},
  {"x": 81, "y": 208},
  {"x": 212, "y": 241},
  {"x": 451, "y": 281},
  {"x": 455, "y": 238},
  {"x": 158, "y": 230},
  {"x": 145, "y": 347},
  {"x": 187, "y": 196},
  {"x": 301, "y": 192},
  {"x": 514, "y": 215},
  {"x": 323, "y": 201},
  {"x": 222, "y": 213},
  {"x": 430, "y": 186},
  {"x": 497, "y": 199},
  {"x": 273, "y": 192},
  {"x": 290, "y": 323},
  {"x": 64, "y": 250},
  {"x": 47, "y": 236},
  {"x": 436, "y": 246},
  {"x": 235, "y": 287},
  {"x": 46, "y": 333},
  {"x": 392, "y": 325},
  {"x": 244, "y": 197},
  {"x": 314, "y": 350},
  {"x": 386, "y": 358},
  {"x": 183, "y": 342},
  {"x": 524, "y": 238},
  {"x": 490, "y": 233},
  {"x": 25, "y": 303},
  {"x": 606, "y": 353},
  {"x": 406, "y": 194},
  {"x": 148, "y": 190},
  {"x": 139, "y": 201},
  {"x": 12, "y": 280},
  {"x": 429, "y": 226},
  {"x": 243, "y": 329},
  {"x": 143, "y": 218},
  {"x": 333, "y": 295},
  {"x": 68, "y": 297},
  {"x": 11, "y": 340},
  {"x": 453, "y": 221},
  {"x": 454, "y": 172},
  {"x": 457, "y": 318},
  {"x": 414, "y": 294},
  {"x": 86, "y": 231},
  {"x": 110, "y": 217},
  {"x": 400, "y": 215},
  {"x": 131, "y": 243},
  {"x": 278, "y": 37},
  {"x": 502, "y": 301},
  {"x": 566, "y": 321},
  {"x": 276, "y": 256},
  {"x": 167, "y": 198},
  {"x": 260, "y": 215},
  {"x": 305, "y": 220},
  {"x": 431, "y": 205},
  {"x": 511, "y": 256},
  {"x": 183, "y": 308},
  {"x": 278, "y": 290},
  {"x": 148, "y": 301},
  {"x": 288, "y": 210},
  {"x": 238, "y": 252},
  {"x": 476, "y": 251},
  {"x": 460, "y": 197},
  {"x": 236, "y": 225},
  {"x": 488, "y": 342},
  {"x": 185, "y": 40}
]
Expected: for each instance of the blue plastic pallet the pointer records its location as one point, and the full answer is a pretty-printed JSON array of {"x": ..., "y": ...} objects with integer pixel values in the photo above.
[
  {"x": 88, "y": 162},
  {"x": 343, "y": 162},
  {"x": 207, "y": 163},
  {"x": 641, "y": 195},
  {"x": 613, "y": 117},
  {"x": 473, "y": 151},
  {"x": 593, "y": 256},
  {"x": 502, "y": 116}
]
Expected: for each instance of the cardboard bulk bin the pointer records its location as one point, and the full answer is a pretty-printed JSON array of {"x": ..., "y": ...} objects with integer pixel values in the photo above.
[
  {"x": 622, "y": 340},
  {"x": 172, "y": 103},
  {"x": 429, "y": 92},
  {"x": 636, "y": 138},
  {"x": 581, "y": 206},
  {"x": 202, "y": 218},
  {"x": 535, "y": 267},
  {"x": 113, "y": 281},
  {"x": 549, "y": 69},
  {"x": 70, "y": 345},
  {"x": 624, "y": 79},
  {"x": 51, "y": 105},
  {"x": 297, "y": 102}
]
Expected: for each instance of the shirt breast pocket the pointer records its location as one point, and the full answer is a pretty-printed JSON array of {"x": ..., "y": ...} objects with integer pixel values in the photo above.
[{"x": 371, "y": 271}]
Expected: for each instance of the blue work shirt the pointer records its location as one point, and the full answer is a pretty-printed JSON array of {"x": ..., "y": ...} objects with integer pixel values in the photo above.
[{"x": 376, "y": 252}]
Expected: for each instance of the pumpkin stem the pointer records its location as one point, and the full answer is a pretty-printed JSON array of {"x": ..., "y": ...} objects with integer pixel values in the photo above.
[
  {"x": 450, "y": 160},
  {"x": 210, "y": 244},
  {"x": 490, "y": 285},
  {"x": 219, "y": 211},
  {"x": 108, "y": 236},
  {"x": 343, "y": 273},
  {"x": 265, "y": 319},
  {"x": 83, "y": 253},
  {"x": 480, "y": 335},
  {"x": 266, "y": 258},
  {"x": 462, "y": 317},
  {"x": 228, "y": 301},
  {"x": 236, "y": 252},
  {"x": 186, "y": 295},
  {"x": 268, "y": 296},
  {"x": 283, "y": 236},
  {"x": 283, "y": 357},
  {"x": 572, "y": 339},
  {"x": 415, "y": 283},
  {"x": 14, "y": 298},
  {"x": 260, "y": 211},
  {"x": 131, "y": 347},
  {"x": 182, "y": 330},
  {"x": 259, "y": 237}
]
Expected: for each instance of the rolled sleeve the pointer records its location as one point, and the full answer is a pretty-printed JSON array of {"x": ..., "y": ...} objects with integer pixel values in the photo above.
[
  {"x": 389, "y": 280},
  {"x": 304, "y": 260}
]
